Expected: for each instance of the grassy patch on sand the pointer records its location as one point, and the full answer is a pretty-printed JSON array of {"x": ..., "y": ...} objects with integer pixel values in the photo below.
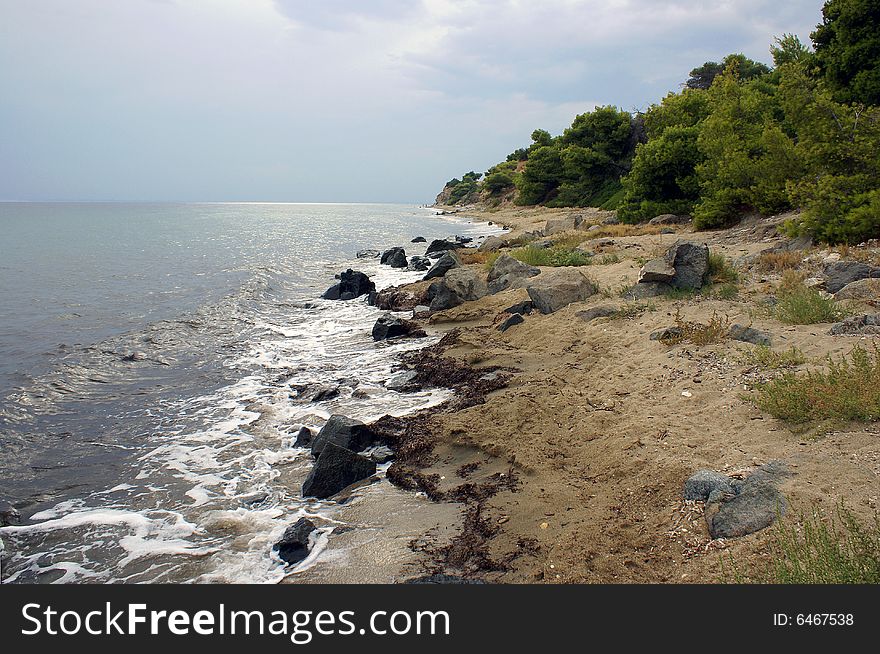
[
  {"x": 766, "y": 358},
  {"x": 800, "y": 305},
  {"x": 555, "y": 256},
  {"x": 848, "y": 391}
]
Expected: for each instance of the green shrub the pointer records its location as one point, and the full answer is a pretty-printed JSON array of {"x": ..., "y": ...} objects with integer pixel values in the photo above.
[
  {"x": 820, "y": 551},
  {"x": 765, "y": 357},
  {"x": 849, "y": 390},
  {"x": 721, "y": 270},
  {"x": 555, "y": 256},
  {"x": 806, "y": 306}
]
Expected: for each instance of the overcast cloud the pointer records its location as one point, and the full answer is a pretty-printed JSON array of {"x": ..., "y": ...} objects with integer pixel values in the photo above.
[{"x": 331, "y": 100}]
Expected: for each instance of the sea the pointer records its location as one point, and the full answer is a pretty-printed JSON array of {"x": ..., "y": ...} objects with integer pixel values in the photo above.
[{"x": 156, "y": 362}]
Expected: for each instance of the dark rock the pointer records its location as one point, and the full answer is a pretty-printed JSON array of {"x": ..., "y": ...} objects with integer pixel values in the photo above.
[
  {"x": 749, "y": 335},
  {"x": 841, "y": 273},
  {"x": 442, "y": 245},
  {"x": 464, "y": 240},
  {"x": 134, "y": 356},
  {"x": 336, "y": 469},
  {"x": 755, "y": 507},
  {"x": 380, "y": 454},
  {"x": 322, "y": 393},
  {"x": 368, "y": 254},
  {"x": 515, "y": 319},
  {"x": 9, "y": 515},
  {"x": 395, "y": 257},
  {"x": 345, "y": 432},
  {"x": 418, "y": 264},
  {"x": 691, "y": 263},
  {"x": 442, "y": 297},
  {"x": 611, "y": 220},
  {"x": 390, "y": 327},
  {"x": 605, "y": 311},
  {"x": 351, "y": 284},
  {"x": 294, "y": 544},
  {"x": 864, "y": 324},
  {"x": 419, "y": 239},
  {"x": 303, "y": 437},
  {"x": 444, "y": 264},
  {"x": 791, "y": 245},
  {"x": 401, "y": 381},
  {"x": 556, "y": 289},
  {"x": 703, "y": 484},
  {"x": 525, "y": 307},
  {"x": 667, "y": 230}
]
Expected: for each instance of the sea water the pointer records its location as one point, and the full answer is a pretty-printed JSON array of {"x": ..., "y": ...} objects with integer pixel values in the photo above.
[{"x": 156, "y": 361}]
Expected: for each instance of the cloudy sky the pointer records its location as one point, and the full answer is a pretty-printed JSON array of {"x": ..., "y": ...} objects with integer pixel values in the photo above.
[{"x": 330, "y": 100}]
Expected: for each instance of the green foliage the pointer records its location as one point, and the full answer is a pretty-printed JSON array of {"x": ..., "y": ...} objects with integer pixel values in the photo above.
[
  {"x": 838, "y": 145},
  {"x": 541, "y": 177},
  {"x": 820, "y": 551},
  {"x": 799, "y": 305},
  {"x": 721, "y": 270},
  {"x": 746, "y": 69},
  {"x": 789, "y": 50},
  {"x": 847, "y": 44},
  {"x": 849, "y": 391},
  {"x": 748, "y": 158},
  {"x": 555, "y": 256},
  {"x": 497, "y": 183}
]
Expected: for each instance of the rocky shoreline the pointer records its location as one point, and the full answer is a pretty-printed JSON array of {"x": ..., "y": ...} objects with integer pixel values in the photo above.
[{"x": 593, "y": 437}]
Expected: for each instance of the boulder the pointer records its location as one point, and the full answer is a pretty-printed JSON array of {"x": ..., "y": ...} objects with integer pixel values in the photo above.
[
  {"x": 380, "y": 454},
  {"x": 491, "y": 244},
  {"x": 841, "y": 273},
  {"x": 525, "y": 307},
  {"x": 343, "y": 431},
  {"x": 866, "y": 290},
  {"x": 418, "y": 264},
  {"x": 419, "y": 239},
  {"x": 397, "y": 298},
  {"x": 556, "y": 225},
  {"x": 390, "y": 327},
  {"x": 336, "y": 469},
  {"x": 866, "y": 324},
  {"x": 395, "y": 257},
  {"x": 303, "y": 437},
  {"x": 294, "y": 544},
  {"x": 401, "y": 381},
  {"x": 691, "y": 263},
  {"x": 368, "y": 254},
  {"x": 556, "y": 289},
  {"x": 604, "y": 311},
  {"x": 442, "y": 297},
  {"x": 704, "y": 484},
  {"x": 657, "y": 270},
  {"x": 352, "y": 284},
  {"x": 748, "y": 335},
  {"x": 755, "y": 507},
  {"x": 507, "y": 273},
  {"x": 444, "y": 264},
  {"x": 441, "y": 245},
  {"x": 515, "y": 319},
  {"x": 466, "y": 283},
  {"x": 611, "y": 220}
]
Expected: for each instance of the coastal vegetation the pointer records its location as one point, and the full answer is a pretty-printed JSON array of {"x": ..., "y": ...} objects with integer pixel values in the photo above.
[
  {"x": 848, "y": 391},
  {"x": 739, "y": 138}
]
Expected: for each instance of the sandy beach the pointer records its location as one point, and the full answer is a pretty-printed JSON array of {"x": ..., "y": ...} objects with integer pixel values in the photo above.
[{"x": 573, "y": 471}]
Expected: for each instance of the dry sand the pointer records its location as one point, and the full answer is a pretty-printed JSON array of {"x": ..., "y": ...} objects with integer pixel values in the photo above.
[{"x": 602, "y": 426}]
